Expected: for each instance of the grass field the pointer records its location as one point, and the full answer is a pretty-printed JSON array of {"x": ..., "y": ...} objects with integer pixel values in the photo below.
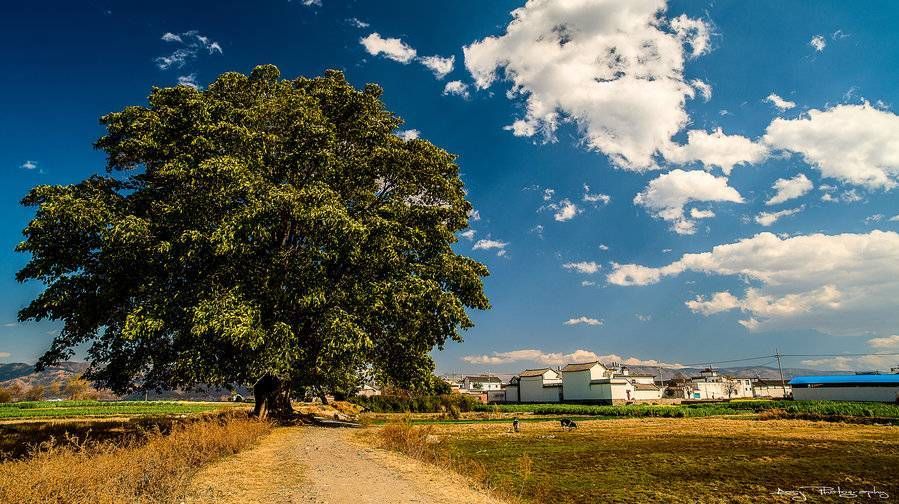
[
  {"x": 76, "y": 409},
  {"x": 713, "y": 459},
  {"x": 809, "y": 410}
]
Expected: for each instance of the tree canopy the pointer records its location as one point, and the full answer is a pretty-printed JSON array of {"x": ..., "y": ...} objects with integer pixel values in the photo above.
[{"x": 258, "y": 228}]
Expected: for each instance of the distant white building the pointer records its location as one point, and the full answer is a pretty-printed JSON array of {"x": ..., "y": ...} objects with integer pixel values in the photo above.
[
  {"x": 712, "y": 385},
  {"x": 539, "y": 386},
  {"x": 481, "y": 383},
  {"x": 593, "y": 382},
  {"x": 864, "y": 387},
  {"x": 770, "y": 389}
]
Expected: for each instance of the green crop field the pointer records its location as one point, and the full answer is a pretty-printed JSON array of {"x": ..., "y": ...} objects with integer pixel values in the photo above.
[
  {"x": 79, "y": 409},
  {"x": 812, "y": 410}
]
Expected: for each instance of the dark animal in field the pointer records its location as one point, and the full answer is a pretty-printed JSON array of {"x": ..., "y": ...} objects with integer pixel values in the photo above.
[{"x": 568, "y": 423}]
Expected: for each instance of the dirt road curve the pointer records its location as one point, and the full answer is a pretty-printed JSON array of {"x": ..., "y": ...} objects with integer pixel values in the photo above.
[{"x": 323, "y": 466}]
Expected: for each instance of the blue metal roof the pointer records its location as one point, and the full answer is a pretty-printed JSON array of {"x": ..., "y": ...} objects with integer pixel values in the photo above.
[{"x": 860, "y": 379}]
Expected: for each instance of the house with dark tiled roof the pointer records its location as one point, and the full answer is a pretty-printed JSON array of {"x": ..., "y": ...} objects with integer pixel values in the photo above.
[{"x": 542, "y": 385}]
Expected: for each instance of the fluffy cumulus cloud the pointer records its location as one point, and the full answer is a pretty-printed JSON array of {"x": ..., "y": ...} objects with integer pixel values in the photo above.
[
  {"x": 565, "y": 210},
  {"x": 391, "y": 48},
  {"x": 613, "y": 68},
  {"x": 595, "y": 198},
  {"x": 716, "y": 149},
  {"x": 856, "y": 144},
  {"x": 838, "y": 284},
  {"x": 583, "y": 320},
  {"x": 779, "y": 102},
  {"x": 666, "y": 196},
  {"x": 544, "y": 358},
  {"x": 787, "y": 189},
  {"x": 29, "y": 165},
  {"x": 456, "y": 88},
  {"x": 585, "y": 267},
  {"x": 190, "y": 45},
  {"x": 768, "y": 218},
  {"x": 439, "y": 65},
  {"x": 4, "y": 355}
]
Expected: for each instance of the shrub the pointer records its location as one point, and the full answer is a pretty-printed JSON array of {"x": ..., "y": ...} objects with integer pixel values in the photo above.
[{"x": 418, "y": 404}]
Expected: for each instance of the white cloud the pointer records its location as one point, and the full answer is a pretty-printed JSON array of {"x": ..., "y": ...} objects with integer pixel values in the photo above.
[
  {"x": 818, "y": 43},
  {"x": 558, "y": 359},
  {"x": 468, "y": 234},
  {"x": 894, "y": 218},
  {"x": 583, "y": 320},
  {"x": 438, "y": 65},
  {"x": 587, "y": 283},
  {"x": 788, "y": 189},
  {"x": 885, "y": 342},
  {"x": 779, "y": 102},
  {"x": 4, "y": 355},
  {"x": 488, "y": 244},
  {"x": 565, "y": 211},
  {"x": 409, "y": 134},
  {"x": 548, "y": 194},
  {"x": 312, "y": 3},
  {"x": 357, "y": 23},
  {"x": 613, "y": 68},
  {"x": 696, "y": 213},
  {"x": 857, "y": 144},
  {"x": 643, "y": 318},
  {"x": 585, "y": 267},
  {"x": 768, "y": 218},
  {"x": 867, "y": 363},
  {"x": 603, "y": 246},
  {"x": 874, "y": 219},
  {"x": 716, "y": 149},
  {"x": 604, "y": 199},
  {"x": 191, "y": 42},
  {"x": 189, "y": 80},
  {"x": 666, "y": 195},
  {"x": 29, "y": 165},
  {"x": 457, "y": 88},
  {"x": 704, "y": 89},
  {"x": 392, "y": 48},
  {"x": 838, "y": 284},
  {"x": 474, "y": 215}
]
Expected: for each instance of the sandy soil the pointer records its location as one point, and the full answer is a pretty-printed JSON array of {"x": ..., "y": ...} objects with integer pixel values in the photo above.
[{"x": 325, "y": 466}]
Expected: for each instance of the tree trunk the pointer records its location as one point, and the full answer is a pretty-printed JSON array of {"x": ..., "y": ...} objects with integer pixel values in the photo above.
[{"x": 272, "y": 396}]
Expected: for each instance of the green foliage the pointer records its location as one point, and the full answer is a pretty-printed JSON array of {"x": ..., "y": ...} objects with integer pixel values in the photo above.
[
  {"x": 258, "y": 227},
  {"x": 72, "y": 409},
  {"x": 447, "y": 403},
  {"x": 792, "y": 409}
]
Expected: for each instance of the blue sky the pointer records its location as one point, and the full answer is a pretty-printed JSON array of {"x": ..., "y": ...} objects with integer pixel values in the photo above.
[{"x": 626, "y": 98}]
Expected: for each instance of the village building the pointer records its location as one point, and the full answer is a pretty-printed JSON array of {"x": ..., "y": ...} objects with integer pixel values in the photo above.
[
  {"x": 861, "y": 387},
  {"x": 539, "y": 386},
  {"x": 511, "y": 391},
  {"x": 586, "y": 382},
  {"x": 712, "y": 385},
  {"x": 481, "y": 383},
  {"x": 770, "y": 389}
]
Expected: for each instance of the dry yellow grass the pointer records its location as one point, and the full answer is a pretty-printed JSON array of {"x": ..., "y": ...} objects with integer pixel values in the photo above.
[
  {"x": 152, "y": 468},
  {"x": 659, "y": 459}
]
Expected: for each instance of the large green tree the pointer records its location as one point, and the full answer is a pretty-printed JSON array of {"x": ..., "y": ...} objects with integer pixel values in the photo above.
[{"x": 263, "y": 231}]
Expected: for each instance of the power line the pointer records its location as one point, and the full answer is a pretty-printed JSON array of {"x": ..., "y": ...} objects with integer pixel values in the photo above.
[{"x": 843, "y": 355}]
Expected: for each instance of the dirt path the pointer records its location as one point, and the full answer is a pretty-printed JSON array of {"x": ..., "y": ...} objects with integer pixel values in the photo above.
[{"x": 324, "y": 466}]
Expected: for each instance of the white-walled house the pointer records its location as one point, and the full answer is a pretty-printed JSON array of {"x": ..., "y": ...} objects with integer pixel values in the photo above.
[
  {"x": 511, "y": 390},
  {"x": 586, "y": 382},
  {"x": 481, "y": 383},
  {"x": 711, "y": 385},
  {"x": 540, "y": 386},
  {"x": 773, "y": 389}
]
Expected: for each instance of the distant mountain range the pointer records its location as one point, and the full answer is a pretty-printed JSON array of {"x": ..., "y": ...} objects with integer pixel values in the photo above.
[
  {"x": 25, "y": 374},
  {"x": 739, "y": 372}
]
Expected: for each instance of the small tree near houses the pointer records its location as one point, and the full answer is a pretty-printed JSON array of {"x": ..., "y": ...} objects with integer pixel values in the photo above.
[{"x": 266, "y": 231}]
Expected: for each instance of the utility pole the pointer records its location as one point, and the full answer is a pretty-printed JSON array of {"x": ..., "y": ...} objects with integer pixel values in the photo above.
[{"x": 783, "y": 384}]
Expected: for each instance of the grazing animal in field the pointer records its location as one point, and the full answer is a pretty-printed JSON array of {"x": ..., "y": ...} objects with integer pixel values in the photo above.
[{"x": 568, "y": 423}]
